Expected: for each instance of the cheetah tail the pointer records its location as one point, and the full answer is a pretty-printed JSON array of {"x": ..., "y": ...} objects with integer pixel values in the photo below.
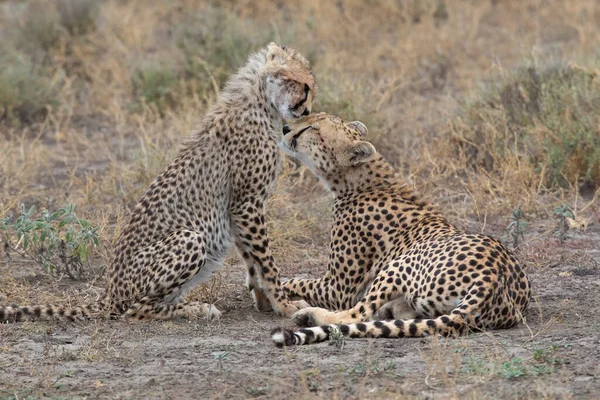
[
  {"x": 15, "y": 313},
  {"x": 452, "y": 324},
  {"x": 462, "y": 318}
]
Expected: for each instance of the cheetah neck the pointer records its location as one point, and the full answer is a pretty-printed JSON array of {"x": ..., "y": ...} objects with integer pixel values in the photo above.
[
  {"x": 374, "y": 175},
  {"x": 377, "y": 180}
]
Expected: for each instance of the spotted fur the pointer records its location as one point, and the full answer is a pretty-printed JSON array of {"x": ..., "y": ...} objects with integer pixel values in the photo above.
[
  {"x": 397, "y": 267},
  {"x": 211, "y": 196}
]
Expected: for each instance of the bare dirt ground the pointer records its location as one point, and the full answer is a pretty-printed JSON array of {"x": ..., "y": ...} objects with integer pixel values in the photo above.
[
  {"x": 555, "y": 355},
  {"x": 96, "y": 96}
]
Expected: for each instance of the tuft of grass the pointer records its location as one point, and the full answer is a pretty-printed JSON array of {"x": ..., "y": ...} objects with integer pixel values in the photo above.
[
  {"x": 563, "y": 213},
  {"x": 207, "y": 47},
  {"x": 350, "y": 102},
  {"x": 43, "y": 24},
  {"x": 38, "y": 25},
  {"x": 215, "y": 42},
  {"x": 516, "y": 227},
  {"x": 28, "y": 91},
  {"x": 373, "y": 367},
  {"x": 154, "y": 84},
  {"x": 78, "y": 17},
  {"x": 541, "y": 117}
]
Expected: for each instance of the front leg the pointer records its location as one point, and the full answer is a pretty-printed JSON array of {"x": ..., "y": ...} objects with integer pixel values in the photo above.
[
  {"x": 253, "y": 244},
  {"x": 261, "y": 302},
  {"x": 379, "y": 294},
  {"x": 316, "y": 292}
]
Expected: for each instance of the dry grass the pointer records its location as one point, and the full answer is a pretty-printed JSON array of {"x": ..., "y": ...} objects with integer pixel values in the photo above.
[
  {"x": 97, "y": 102},
  {"x": 95, "y": 98}
]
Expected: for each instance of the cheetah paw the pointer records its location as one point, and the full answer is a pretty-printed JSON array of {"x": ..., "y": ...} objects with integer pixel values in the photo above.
[
  {"x": 212, "y": 312},
  {"x": 310, "y": 316},
  {"x": 300, "y": 304},
  {"x": 261, "y": 302}
]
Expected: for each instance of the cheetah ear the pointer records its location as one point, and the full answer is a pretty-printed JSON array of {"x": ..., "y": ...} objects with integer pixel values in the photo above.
[
  {"x": 273, "y": 50},
  {"x": 362, "y": 128},
  {"x": 361, "y": 152}
]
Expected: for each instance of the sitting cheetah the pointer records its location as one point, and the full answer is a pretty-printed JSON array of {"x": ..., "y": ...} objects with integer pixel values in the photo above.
[
  {"x": 211, "y": 195},
  {"x": 393, "y": 256}
]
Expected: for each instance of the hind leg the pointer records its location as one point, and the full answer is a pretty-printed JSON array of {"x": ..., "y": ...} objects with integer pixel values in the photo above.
[
  {"x": 395, "y": 309},
  {"x": 177, "y": 264}
]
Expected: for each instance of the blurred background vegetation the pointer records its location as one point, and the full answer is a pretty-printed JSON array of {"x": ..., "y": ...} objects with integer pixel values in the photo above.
[{"x": 482, "y": 105}]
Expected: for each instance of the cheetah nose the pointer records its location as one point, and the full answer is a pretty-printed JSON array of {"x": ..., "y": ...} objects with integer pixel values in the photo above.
[
  {"x": 286, "y": 129},
  {"x": 306, "y": 112}
]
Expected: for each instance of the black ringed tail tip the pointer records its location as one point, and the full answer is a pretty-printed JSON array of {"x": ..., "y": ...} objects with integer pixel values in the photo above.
[{"x": 283, "y": 337}]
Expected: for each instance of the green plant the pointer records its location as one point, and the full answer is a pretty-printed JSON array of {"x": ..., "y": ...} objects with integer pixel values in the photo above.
[
  {"x": 547, "y": 356},
  {"x": 220, "y": 357},
  {"x": 543, "y": 361},
  {"x": 543, "y": 369},
  {"x": 16, "y": 396},
  {"x": 513, "y": 368},
  {"x": 476, "y": 366},
  {"x": 59, "y": 242},
  {"x": 311, "y": 375},
  {"x": 517, "y": 226},
  {"x": 373, "y": 367},
  {"x": 337, "y": 338},
  {"x": 563, "y": 212},
  {"x": 258, "y": 391}
]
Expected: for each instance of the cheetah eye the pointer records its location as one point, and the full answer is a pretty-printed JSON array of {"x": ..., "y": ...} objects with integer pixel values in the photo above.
[
  {"x": 306, "y": 91},
  {"x": 294, "y": 140}
]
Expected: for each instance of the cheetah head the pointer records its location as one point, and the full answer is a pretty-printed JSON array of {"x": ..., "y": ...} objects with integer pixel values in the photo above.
[
  {"x": 290, "y": 83},
  {"x": 328, "y": 145}
]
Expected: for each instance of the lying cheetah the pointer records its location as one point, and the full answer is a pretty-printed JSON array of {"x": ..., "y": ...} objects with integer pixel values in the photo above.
[
  {"x": 211, "y": 195},
  {"x": 392, "y": 256}
]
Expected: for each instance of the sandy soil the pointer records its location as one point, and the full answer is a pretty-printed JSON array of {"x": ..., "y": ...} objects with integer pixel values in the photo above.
[{"x": 555, "y": 355}]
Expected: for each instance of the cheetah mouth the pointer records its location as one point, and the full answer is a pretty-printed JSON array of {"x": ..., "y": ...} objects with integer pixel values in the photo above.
[{"x": 287, "y": 147}]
